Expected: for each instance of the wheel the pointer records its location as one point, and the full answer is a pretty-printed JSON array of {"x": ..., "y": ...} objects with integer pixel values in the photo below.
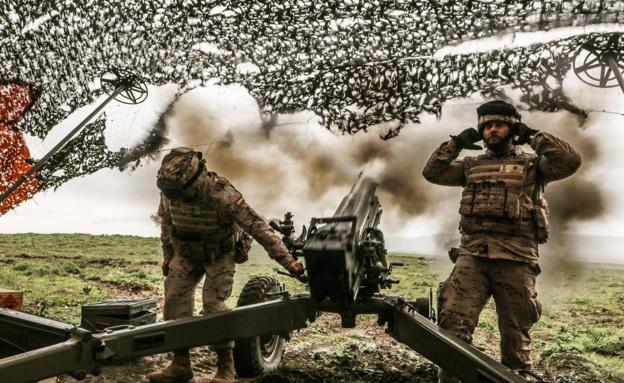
[{"x": 261, "y": 354}]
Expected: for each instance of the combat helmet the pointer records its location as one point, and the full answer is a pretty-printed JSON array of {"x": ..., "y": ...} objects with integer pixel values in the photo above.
[
  {"x": 498, "y": 110},
  {"x": 178, "y": 171}
]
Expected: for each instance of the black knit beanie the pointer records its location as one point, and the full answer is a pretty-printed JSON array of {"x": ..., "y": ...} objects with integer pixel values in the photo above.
[{"x": 497, "y": 110}]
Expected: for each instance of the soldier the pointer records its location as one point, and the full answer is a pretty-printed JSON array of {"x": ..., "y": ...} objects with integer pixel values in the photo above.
[
  {"x": 504, "y": 217},
  {"x": 204, "y": 220}
]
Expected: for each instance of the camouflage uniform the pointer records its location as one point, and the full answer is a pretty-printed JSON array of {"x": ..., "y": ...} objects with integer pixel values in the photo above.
[
  {"x": 200, "y": 237},
  {"x": 206, "y": 225},
  {"x": 503, "y": 218}
]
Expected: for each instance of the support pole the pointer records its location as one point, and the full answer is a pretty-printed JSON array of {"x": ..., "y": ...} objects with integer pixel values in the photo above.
[
  {"x": 443, "y": 348},
  {"x": 62, "y": 143},
  {"x": 616, "y": 70},
  {"x": 84, "y": 352}
]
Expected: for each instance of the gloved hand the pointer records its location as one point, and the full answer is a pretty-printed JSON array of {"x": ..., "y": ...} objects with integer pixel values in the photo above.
[
  {"x": 165, "y": 266},
  {"x": 524, "y": 133},
  {"x": 467, "y": 138},
  {"x": 295, "y": 268}
]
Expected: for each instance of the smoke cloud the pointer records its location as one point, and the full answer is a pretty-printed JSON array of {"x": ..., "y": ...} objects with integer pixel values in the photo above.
[
  {"x": 289, "y": 163},
  {"x": 571, "y": 200},
  {"x": 155, "y": 139},
  {"x": 583, "y": 198}
]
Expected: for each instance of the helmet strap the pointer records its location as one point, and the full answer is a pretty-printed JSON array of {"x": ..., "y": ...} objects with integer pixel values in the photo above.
[{"x": 188, "y": 183}]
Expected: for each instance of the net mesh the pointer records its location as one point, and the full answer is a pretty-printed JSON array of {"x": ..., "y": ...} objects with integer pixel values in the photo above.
[{"x": 354, "y": 63}]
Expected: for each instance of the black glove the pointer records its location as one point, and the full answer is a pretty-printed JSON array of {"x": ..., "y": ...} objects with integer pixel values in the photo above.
[
  {"x": 523, "y": 133},
  {"x": 467, "y": 138}
]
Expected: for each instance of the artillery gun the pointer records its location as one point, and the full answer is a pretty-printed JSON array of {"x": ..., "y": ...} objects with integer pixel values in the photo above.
[{"x": 346, "y": 267}]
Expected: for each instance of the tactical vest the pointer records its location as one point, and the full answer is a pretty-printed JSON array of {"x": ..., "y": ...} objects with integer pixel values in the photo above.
[
  {"x": 195, "y": 220},
  {"x": 499, "y": 198}
]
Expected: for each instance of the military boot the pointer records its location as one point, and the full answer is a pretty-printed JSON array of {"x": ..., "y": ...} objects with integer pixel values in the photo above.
[
  {"x": 225, "y": 367},
  {"x": 179, "y": 370}
]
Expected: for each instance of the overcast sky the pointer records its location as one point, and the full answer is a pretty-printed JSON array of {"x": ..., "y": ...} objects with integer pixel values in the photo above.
[{"x": 113, "y": 202}]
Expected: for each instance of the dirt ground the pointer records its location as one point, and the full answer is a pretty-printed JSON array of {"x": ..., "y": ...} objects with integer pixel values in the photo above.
[{"x": 579, "y": 339}]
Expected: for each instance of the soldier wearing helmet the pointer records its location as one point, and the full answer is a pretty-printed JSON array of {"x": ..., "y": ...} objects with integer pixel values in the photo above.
[
  {"x": 504, "y": 217},
  {"x": 204, "y": 221}
]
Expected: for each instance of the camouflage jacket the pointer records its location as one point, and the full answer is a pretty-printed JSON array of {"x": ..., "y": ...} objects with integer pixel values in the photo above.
[
  {"x": 233, "y": 208},
  {"x": 554, "y": 159}
]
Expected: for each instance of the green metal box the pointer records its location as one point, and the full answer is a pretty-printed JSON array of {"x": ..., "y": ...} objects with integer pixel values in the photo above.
[{"x": 97, "y": 317}]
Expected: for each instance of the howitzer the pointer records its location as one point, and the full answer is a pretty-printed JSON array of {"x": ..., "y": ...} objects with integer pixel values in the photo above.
[
  {"x": 345, "y": 254},
  {"x": 346, "y": 267}
]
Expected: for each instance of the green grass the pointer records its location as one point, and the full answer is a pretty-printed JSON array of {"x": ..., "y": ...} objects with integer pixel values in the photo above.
[
  {"x": 81, "y": 246},
  {"x": 580, "y": 337}
]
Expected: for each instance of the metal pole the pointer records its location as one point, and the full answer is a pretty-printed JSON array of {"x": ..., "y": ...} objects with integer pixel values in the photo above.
[
  {"x": 61, "y": 143},
  {"x": 39, "y": 364},
  {"x": 443, "y": 348},
  {"x": 616, "y": 70},
  {"x": 84, "y": 353}
]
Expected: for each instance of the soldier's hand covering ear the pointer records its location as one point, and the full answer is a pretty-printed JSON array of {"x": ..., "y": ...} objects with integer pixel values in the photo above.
[
  {"x": 524, "y": 133},
  {"x": 467, "y": 138},
  {"x": 295, "y": 268}
]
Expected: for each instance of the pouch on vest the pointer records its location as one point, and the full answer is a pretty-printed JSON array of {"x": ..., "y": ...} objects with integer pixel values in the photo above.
[
  {"x": 465, "y": 205},
  {"x": 484, "y": 199},
  {"x": 540, "y": 216},
  {"x": 228, "y": 243},
  {"x": 242, "y": 247}
]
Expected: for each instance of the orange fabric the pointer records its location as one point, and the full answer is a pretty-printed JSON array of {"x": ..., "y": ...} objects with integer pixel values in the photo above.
[{"x": 14, "y": 154}]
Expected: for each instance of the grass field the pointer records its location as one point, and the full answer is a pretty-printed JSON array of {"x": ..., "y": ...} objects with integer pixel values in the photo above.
[{"x": 580, "y": 337}]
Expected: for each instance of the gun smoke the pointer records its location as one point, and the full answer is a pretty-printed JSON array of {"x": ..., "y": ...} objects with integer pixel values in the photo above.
[
  {"x": 571, "y": 200},
  {"x": 290, "y": 163},
  {"x": 276, "y": 160}
]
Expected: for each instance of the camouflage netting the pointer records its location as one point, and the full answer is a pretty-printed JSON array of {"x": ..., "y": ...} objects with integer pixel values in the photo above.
[{"x": 355, "y": 64}]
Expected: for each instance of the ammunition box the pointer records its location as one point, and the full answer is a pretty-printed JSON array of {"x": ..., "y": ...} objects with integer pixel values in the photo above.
[{"x": 97, "y": 317}]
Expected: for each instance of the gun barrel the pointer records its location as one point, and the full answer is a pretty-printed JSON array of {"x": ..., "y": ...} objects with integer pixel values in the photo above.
[{"x": 359, "y": 203}]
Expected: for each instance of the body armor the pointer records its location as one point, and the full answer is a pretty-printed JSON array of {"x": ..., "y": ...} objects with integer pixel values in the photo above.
[
  {"x": 196, "y": 220},
  {"x": 199, "y": 225},
  {"x": 500, "y": 197}
]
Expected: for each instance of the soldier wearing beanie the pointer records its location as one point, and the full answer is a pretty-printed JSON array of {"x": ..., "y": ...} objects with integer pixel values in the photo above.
[
  {"x": 504, "y": 216},
  {"x": 206, "y": 228}
]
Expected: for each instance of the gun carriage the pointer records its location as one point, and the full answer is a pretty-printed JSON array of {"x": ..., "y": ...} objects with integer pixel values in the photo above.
[{"x": 346, "y": 268}]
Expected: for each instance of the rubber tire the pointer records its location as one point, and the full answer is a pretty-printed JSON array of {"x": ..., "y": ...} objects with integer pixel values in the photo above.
[{"x": 249, "y": 360}]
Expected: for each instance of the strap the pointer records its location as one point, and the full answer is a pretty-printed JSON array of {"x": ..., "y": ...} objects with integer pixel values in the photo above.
[
  {"x": 195, "y": 176},
  {"x": 539, "y": 187}
]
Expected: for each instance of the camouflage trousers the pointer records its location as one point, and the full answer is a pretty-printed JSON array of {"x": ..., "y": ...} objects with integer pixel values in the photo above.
[
  {"x": 512, "y": 284},
  {"x": 185, "y": 273}
]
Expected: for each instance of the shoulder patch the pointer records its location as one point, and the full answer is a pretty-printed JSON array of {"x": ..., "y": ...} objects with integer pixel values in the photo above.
[{"x": 240, "y": 201}]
